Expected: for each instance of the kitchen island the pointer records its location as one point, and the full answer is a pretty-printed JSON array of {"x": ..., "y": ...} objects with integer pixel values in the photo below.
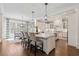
[{"x": 48, "y": 41}]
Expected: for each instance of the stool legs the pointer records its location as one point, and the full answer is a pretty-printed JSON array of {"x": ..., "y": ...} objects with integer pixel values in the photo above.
[
  {"x": 35, "y": 48},
  {"x": 42, "y": 46}
]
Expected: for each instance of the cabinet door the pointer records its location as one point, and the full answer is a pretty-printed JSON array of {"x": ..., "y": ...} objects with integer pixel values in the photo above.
[
  {"x": 44, "y": 45},
  {"x": 59, "y": 35},
  {"x": 50, "y": 43}
]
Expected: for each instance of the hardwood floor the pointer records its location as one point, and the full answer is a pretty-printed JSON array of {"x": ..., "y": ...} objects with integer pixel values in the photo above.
[
  {"x": 61, "y": 48},
  {"x": 15, "y": 49}
]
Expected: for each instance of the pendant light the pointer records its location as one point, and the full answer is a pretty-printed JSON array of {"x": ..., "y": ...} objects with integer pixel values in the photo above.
[
  {"x": 34, "y": 20},
  {"x": 22, "y": 25},
  {"x": 45, "y": 17},
  {"x": 33, "y": 15}
]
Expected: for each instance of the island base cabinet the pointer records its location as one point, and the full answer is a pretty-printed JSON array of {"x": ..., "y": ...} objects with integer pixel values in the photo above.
[{"x": 48, "y": 44}]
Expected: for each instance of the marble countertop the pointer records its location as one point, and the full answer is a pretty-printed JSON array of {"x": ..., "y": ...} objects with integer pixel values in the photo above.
[{"x": 44, "y": 35}]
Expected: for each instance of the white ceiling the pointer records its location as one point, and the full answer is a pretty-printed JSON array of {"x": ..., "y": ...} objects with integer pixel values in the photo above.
[{"x": 26, "y": 8}]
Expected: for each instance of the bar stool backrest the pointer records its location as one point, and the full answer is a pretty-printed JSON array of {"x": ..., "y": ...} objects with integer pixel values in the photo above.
[{"x": 32, "y": 36}]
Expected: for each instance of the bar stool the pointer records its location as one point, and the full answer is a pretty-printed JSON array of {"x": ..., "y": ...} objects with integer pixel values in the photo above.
[
  {"x": 35, "y": 43},
  {"x": 23, "y": 39}
]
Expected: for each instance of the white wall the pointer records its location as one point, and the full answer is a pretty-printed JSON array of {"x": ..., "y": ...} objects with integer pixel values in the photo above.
[
  {"x": 72, "y": 29},
  {"x": 0, "y": 26},
  {"x": 77, "y": 42}
]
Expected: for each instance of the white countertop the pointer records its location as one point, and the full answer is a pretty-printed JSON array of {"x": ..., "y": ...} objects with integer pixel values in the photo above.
[{"x": 44, "y": 35}]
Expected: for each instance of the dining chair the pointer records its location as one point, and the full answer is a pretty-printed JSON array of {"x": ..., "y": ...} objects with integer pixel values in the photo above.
[{"x": 36, "y": 43}]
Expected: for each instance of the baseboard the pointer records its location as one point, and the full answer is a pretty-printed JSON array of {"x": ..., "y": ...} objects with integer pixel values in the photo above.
[{"x": 71, "y": 45}]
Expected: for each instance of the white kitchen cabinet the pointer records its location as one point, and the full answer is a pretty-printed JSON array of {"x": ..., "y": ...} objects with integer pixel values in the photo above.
[{"x": 62, "y": 35}]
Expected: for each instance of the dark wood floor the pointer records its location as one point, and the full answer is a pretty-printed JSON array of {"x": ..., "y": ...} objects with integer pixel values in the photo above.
[{"x": 15, "y": 49}]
